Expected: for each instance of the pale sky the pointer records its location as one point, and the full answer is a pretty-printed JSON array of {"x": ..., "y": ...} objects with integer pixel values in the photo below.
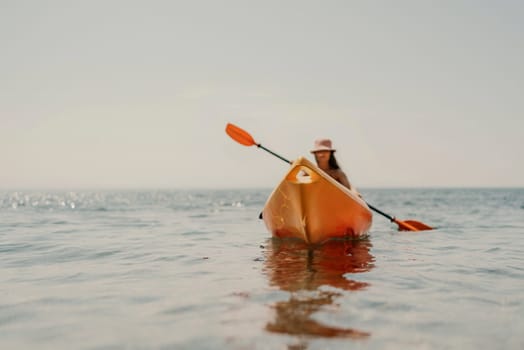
[{"x": 136, "y": 94}]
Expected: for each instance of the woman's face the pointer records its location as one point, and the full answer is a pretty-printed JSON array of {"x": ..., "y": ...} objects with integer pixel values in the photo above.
[{"x": 322, "y": 156}]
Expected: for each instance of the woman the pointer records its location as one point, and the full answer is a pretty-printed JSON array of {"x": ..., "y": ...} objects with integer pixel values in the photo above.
[{"x": 325, "y": 157}]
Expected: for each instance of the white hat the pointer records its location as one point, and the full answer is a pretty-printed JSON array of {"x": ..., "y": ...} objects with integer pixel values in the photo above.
[{"x": 323, "y": 145}]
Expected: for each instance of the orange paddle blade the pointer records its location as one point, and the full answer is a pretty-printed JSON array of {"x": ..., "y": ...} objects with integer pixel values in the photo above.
[
  {"x": 240, "y": 135},
  {"x": 419, "y": 225},
  {"x": 412, "y": 225}
]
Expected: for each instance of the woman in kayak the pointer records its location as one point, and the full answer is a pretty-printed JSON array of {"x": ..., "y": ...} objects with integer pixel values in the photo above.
[{"x": 325, "y": 157}]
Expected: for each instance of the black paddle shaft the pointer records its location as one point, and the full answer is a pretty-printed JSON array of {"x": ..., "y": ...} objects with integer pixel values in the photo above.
[
  {"x": 391, "y": 218},
  {"x": 273, "y": 153}
]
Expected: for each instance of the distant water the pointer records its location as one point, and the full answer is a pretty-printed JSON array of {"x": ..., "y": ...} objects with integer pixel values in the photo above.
[{"x": 198, "y": 270}]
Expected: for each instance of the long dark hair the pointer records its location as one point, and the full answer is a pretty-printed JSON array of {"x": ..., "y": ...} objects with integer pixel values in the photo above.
[{"x": 333, "y": 161}]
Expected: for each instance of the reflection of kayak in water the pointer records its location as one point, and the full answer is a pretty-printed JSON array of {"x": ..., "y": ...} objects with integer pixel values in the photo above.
[
  {"x": 294, "y": 317},
  {"x": 295, "y": 267},
  {"x": 310, "y": 205}
]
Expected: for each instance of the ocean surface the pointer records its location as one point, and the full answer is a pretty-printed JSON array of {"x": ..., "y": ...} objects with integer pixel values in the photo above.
[{"x": 196, "y": 269}]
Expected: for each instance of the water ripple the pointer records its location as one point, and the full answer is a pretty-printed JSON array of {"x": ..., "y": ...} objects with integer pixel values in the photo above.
[{"x": 197, "y": 269}]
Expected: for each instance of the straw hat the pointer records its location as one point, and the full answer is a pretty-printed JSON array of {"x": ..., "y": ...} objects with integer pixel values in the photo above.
[{"x": 323, "y": 145}]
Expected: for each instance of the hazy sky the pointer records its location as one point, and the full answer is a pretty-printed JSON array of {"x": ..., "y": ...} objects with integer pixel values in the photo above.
[{"x": 134, "y": 94}]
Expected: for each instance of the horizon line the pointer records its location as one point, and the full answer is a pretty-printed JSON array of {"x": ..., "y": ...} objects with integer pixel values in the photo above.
[{"x": 204, "y": 188}]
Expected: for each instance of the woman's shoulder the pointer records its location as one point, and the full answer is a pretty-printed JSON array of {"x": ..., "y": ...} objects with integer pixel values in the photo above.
[
  {"x": 336, "y": 173},
  {"x": 339, "y": 172}
]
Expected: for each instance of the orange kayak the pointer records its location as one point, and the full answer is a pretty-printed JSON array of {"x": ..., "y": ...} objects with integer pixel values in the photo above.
[{"x": 310, "y": 205}]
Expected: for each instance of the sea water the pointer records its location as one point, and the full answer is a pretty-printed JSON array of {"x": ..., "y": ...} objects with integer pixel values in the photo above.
[{"x": 197, "y": 269}]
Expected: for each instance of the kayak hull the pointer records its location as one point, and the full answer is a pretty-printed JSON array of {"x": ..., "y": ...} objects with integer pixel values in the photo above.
[{"x": 310, "y": 205}]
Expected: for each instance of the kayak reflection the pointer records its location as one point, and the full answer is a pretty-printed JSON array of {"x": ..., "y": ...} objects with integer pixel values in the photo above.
[{"x": 295, "y": 267}]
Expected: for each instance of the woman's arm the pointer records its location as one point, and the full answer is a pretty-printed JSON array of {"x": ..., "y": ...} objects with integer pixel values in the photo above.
[{"x": 343, "y": 179}]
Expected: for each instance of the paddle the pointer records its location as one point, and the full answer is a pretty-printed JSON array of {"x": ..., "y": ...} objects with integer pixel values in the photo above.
[
  {"x": 406, "y": 225},
  {"x": 244, "y": 138}
]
